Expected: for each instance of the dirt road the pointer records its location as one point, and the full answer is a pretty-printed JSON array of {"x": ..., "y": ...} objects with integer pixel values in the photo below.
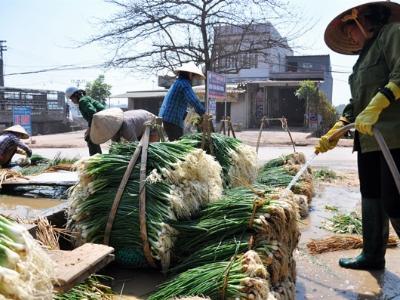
[{"x": 269, "y": 137}]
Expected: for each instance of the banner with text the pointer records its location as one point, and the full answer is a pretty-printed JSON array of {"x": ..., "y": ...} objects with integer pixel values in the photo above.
[
  {"x": 216, "y": 89},
  {"x": 22, "y": 115}
]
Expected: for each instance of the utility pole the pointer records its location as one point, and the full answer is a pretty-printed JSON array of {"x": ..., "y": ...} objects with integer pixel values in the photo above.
[{"x": 3, "y": 48}]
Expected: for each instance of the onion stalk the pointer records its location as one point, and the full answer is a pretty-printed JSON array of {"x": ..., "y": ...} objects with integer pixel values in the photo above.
[
  {"x": 242, "y": 277},
  {"x": 180, "y": 180},
  {"x": 238, "y": 161},
  {"x": 25, "y": 269},
  {"x": 238, "y": 210},
  {"x": 280, "y": 176},
  {"x": 244, "y": 218}
]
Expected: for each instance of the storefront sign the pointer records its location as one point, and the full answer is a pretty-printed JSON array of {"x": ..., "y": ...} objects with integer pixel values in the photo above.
[
  {"x": 216, "y": 85},
  {"x": 216, "y": 89}
]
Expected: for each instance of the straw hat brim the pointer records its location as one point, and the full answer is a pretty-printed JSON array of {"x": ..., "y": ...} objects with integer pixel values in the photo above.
[
  {"x": 190, "y": 68},
  {"x": 105, "y": 124},
  {"x": 338, "y": 41},
  {"x": 18, "y": 129}
]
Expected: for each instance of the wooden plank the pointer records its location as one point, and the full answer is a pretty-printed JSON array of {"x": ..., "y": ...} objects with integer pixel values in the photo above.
[{"x": 73, "y": 267}]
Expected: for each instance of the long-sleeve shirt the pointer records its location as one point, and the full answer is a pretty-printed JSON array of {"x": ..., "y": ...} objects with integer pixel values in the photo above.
[
  {"x": 378, "y": 63},
  {"x": 179, "y": 96},
  {"x": 133, "y": 125},
  {"x": 10, "y": 142},
  {"x": 88, "y": 107}
]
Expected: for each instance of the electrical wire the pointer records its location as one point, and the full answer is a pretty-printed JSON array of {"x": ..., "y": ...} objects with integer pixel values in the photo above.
[{"x": 104, "y": 65}]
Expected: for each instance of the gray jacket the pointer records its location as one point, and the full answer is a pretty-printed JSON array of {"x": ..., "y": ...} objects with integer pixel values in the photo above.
[{"x": 133, "y": 125}]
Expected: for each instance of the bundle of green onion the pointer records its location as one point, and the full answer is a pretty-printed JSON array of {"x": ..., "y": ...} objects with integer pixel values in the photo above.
[
  {"x": 40, "y": 164},
  {"x": 38, "y": 159},
  {"x": 180, "y": 179},
  {"x": 279, "y": 176},
  {"x": 25, "y": 269},
  {"x": 243, "y": 218},
  {"x": 192, "y": 298},
  {"x": 296, "y": 158},
  {"x": 279, "y": 172},
  {"x": 273, "y": 255},
  {"x": 238, "y": 161},
  {"x": 235, "y": 212},
  {"x": 221, "y": 250},
  {"x": 275, "y": 176},
  {"x": 90, "y": 289},
  {"x": 345, "y": 223},
  {"x": 241, "y": 277}
]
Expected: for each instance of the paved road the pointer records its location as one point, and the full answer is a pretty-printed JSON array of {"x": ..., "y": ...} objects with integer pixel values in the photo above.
[{"x": 340, "y": 158}]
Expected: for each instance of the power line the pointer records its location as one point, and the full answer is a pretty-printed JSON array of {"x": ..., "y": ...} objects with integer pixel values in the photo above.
[
  {"x": 103, "y": 65},
  {"x": 58, "y": 68}
]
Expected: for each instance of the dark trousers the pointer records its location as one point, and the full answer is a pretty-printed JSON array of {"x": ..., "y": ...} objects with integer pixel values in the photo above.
[
  {"x": 376, "y": 180},
  {"x": 5, "y": 159},
  {"x": 174, "y": 132},
  {"x": 93, "y": 148}
]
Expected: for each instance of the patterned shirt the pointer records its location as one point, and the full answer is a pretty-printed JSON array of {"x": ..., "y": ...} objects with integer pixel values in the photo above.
[
  {"x": 9, "y": 142},
  {"x": 174, "y": 106}
]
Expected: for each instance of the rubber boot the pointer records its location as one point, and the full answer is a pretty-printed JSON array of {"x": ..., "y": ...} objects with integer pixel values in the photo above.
[
  {"x": 396, "y": 225},
  {"x": 375, "y": 235}
]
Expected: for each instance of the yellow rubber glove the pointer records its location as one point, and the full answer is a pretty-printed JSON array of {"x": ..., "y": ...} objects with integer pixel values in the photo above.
[
  {"x": 324, "y": 144},
  {"x": 370, "y": 115}
]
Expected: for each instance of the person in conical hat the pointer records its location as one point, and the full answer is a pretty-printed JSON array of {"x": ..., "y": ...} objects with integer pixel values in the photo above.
[
  {"x": 179, "y": 96},
  {"x": 88, "y": 107},
  {"x": 371, "y": 31},
  {"x": 10, "y": 144},
  {"x": 114, "y": 124}
]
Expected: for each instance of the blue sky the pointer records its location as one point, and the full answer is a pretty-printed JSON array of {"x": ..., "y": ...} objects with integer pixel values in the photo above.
[{"x": 42, "y": 34}]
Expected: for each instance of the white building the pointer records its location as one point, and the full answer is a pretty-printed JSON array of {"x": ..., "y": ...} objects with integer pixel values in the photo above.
[
  {"x": 249, "y": 52},
  {"x": 259, "y": 58}
]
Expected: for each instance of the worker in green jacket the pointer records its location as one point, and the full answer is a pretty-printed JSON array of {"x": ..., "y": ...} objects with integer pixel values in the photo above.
[
  {"x": 88, "y": 107},
  {"x": 371, "y": 31}
]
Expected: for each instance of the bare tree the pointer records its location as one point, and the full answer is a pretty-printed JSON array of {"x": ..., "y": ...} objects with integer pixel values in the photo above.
[{"x": 163, "y": 34}]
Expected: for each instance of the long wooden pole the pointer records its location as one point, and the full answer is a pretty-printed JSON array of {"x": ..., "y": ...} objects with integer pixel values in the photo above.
[
  {"x": 259, "y": 133},
  {"x": 120, "y": 191},
  {"x": 142, "y": 200}
]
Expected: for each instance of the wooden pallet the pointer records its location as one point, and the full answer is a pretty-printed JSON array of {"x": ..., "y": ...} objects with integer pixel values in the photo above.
[{"x": 73, "y": 267}]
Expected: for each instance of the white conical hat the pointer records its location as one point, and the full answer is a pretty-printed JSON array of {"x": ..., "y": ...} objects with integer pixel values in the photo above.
[
  {"x": 18, "y": 129},
  {"x": 191, "y": 68},
  {"x": 105, "y": 124}
]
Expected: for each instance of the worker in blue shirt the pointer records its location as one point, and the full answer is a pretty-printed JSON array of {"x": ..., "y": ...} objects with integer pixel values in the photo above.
[{"x": 174, "y": 107}]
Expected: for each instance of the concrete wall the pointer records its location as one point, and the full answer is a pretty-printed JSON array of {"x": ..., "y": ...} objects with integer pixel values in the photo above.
[
  {"x": 240, "y": 111},
  {"x": 316, "y": 63},
  {"x": 260, "y": 62},
  {"x": 150, "y": 104}
]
